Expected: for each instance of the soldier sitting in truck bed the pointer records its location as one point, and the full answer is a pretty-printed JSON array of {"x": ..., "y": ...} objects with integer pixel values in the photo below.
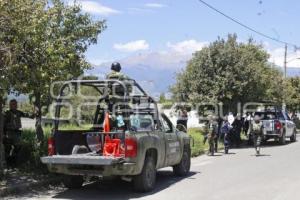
[{"x": 116, "y": 72}]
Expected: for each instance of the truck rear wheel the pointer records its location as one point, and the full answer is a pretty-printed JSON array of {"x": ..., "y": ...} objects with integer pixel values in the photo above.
[
  {"x": 282, "y": 139},
  {"x": 145, "y": 181},
  {"x": 73, "y": 182},
  {"x": 183, "y": 168}
]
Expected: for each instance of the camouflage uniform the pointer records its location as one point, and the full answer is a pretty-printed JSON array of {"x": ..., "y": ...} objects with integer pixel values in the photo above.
[
  {"x": 118, "y": 92},
  {"x": 117, "y": 75},
  {"x": 12, "y": 130},
  {"x": 256, "y": 129},
  {"x": 211, "y": 130}
]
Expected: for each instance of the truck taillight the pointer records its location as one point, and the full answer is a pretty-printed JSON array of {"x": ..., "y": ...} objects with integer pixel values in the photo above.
[
  {"x": 278, "y": 125},
  {"x": 130, "y": 147},
  {"x": 51, "y": 146}
]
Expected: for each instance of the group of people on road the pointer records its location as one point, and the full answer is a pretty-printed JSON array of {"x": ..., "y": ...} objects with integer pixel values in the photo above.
[{"x": 217, "y": 129}]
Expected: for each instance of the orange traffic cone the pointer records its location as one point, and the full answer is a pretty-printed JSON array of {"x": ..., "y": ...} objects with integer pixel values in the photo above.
[{"x": 106, "y": 124}]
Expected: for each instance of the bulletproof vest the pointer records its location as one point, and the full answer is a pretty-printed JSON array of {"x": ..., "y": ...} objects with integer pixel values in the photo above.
[
  {"x": 213, "y": 128},
  {"x": 116, "y": 75},
  {"x": 256, "y": 127},
  {"x": 13, "y": 120}
]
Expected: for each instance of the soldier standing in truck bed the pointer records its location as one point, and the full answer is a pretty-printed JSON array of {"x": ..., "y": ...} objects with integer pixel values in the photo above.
[{"x": 13, "y": 130}]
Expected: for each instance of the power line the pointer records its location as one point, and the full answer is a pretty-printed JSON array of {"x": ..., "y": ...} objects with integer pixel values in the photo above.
[{"x": 247, "y": 27}]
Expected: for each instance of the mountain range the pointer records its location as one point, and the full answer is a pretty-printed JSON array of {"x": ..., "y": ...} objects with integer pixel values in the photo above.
[{"x": 156, "y": 72}]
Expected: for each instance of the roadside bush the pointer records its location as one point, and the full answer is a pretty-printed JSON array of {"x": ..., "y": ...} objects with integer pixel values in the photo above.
[
  {"x": 198, "y": 148},
  {"x": 28, "y": 158}
]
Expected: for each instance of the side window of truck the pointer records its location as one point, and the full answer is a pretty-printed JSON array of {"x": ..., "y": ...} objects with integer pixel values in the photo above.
[
  {"x": 142, "y": 122},
  {"x": 166, "y": 125}
]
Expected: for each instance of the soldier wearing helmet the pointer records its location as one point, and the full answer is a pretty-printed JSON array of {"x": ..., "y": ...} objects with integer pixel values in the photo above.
[
  {"x": 116, "y": 72},
  {"x": 256, "y": 129},
  {"x": 211, "y": 131}
]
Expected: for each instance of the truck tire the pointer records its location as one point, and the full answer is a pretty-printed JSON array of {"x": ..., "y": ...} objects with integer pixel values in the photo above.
[
  {"x": 145, "y": 181},
  {"x": 73, "y": 182},
  {"x": 183, "y": 168},
  {"x": 282, "y": 139},
  {"x": 294, "y": 136}
]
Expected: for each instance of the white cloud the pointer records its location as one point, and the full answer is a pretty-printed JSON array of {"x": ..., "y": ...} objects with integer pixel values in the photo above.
[
  {"x": 187, "y": 46},
  {"x": 277, "y": 57},
  {"x": 132, "y": 46},
  {"x": 155, "y": 5},
  {"x": 95, "y": 8}
]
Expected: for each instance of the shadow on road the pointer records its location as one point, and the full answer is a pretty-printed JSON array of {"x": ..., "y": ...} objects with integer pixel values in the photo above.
[
  {"x": 120, "y": 189},
  {"x": 268, "y": 144}
]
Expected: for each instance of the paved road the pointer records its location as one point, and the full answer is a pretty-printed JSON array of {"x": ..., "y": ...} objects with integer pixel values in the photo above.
[{"x": 240, "y": 175}]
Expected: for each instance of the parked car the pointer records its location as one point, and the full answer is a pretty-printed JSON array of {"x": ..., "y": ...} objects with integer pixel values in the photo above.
[
  {"x": 146, "y": 142},
  {"x": 277, "y": 125}
]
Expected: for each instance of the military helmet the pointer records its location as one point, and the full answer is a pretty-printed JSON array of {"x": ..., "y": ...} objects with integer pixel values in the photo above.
[{"x": 116, "y": 66}]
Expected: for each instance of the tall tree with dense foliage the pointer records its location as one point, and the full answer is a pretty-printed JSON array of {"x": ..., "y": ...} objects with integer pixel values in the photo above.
[
  {"x": 49, "y": 39},
  {"x": 293, "y": 95},
  {"x": 227, "y": 71}
]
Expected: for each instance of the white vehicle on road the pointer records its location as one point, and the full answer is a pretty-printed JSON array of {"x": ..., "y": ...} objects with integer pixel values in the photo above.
[{"x": 277, "y": 125}]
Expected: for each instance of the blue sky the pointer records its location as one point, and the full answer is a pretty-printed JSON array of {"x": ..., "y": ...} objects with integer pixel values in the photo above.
[{"x": 144, "y": 26}]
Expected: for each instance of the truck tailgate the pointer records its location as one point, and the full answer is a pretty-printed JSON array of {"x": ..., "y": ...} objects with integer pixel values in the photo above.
[
  {"x": 268, "y": 125},
  {"x": 81, "y": 159}
]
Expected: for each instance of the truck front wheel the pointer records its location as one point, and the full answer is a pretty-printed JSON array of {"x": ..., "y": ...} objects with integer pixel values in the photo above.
[
  {"x": 73, "y": 182},
  {"x": 145, "y": 181},
  {"x": 183, "y": 168}
]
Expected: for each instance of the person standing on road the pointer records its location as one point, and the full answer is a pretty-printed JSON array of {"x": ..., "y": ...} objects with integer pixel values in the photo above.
[
  {"x": 256, "y": 130},
  {"x": 13, "y": 130},
  {"x": 225, "y": 134},
  {"x": 182, "y": 117},
  {"x": 211, "y": 131},
  {"x": 237, "y": 129}
]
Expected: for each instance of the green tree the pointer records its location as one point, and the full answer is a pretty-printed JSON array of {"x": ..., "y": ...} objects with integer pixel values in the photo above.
[
  {"x": 229, "y": 72},
  {"x": 293, "y": 96},
  {"x": 49, "y": 39}
]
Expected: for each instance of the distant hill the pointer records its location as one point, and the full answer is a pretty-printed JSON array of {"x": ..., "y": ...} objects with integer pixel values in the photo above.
[{"x": 156, "y": 72}]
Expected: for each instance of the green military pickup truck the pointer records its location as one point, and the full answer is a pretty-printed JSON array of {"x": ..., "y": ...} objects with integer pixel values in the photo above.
[{"x": 129, "y": 138}]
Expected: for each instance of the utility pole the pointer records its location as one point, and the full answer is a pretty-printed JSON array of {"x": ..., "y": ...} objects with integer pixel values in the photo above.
[{"x": 285, "y": 60}]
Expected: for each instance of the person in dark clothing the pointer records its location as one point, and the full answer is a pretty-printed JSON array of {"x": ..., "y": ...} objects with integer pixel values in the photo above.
[
  {"x": 225, "y": 134},
  {"x": 246, "y": 123},
  {"x": 13, "y": 131},
  {"x": 237, "y": 126}
]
